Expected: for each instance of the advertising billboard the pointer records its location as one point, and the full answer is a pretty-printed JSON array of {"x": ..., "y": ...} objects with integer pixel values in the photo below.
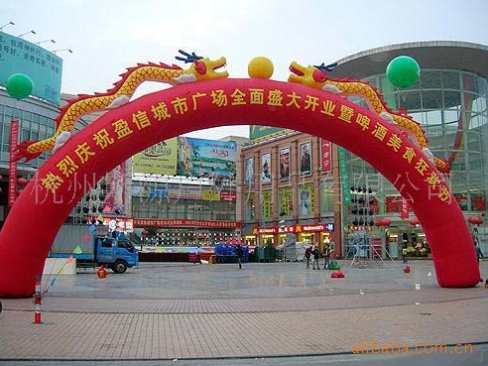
[
  {"x": 43, "y": 67},
  {"x": 206, "y": 158},
  {"x": 157, "y": 159}
]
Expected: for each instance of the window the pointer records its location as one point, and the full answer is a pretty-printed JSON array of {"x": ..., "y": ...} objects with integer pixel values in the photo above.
[{"x": 106, "y": 243}]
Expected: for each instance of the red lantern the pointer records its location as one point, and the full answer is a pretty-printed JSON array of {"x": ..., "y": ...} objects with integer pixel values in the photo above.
[
  {"x": 382, "y": 222},
  {"x": 145, "y": 232},
  {"x": 21, "y": 181},
  {"x": 476, "y": 220},
  {"x": 414, "y": 221}
]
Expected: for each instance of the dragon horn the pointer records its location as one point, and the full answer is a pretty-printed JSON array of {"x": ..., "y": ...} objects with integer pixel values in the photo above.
[
  {"x": 328, "y": 67},
  {"x": 188, "y": 57}
]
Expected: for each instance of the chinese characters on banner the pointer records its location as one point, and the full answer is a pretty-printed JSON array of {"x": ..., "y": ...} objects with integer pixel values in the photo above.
[{"x": 12, "y": 174}]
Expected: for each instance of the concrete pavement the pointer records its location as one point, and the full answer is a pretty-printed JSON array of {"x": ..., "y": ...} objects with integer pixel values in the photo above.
[{"x": 166, "y": 311}]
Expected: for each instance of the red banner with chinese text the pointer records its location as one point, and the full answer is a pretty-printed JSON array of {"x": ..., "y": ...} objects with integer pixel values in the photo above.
[
  {"x": 185, "y": 223},
  {"x": 12, "y": 173},
  {"x": 404, "y": 212},
  {"x": 326, "y": 156}
]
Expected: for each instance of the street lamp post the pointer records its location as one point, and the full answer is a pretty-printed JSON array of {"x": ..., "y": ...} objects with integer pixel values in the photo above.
[
  {"x": 45, "y": 41},
  {"x": 29, "y": 32},
  {"x": 64, "y": 49},
  {"x": 3, "y": 26}
]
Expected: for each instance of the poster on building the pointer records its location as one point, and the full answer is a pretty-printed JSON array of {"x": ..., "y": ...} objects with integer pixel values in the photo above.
[
  {"x": 115, "y": 183},
  {"x": 249, "y": 204},
  {"x": 306, "y": 200},
  {"x": 305, "y": 159},
  {"x": 285, "y": 163},
  {"x": 266, "y": 204},
  {"x": 249, "y": 172},
  {"x": 325, "y": 153},
  {"x": 159, "y": 159},
  {"x": 206, "y": 158},
  {"x": 266, "y": 168},
  {"x": 286, "y": 201}
]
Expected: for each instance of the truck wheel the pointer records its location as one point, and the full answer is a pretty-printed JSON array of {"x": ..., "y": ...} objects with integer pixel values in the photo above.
[
  {"x": 119, "y": 267},
  {"x": 0, "y": 306}
]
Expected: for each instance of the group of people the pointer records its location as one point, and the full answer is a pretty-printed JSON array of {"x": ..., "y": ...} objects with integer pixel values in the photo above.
[{"x": 312, "y": 253}]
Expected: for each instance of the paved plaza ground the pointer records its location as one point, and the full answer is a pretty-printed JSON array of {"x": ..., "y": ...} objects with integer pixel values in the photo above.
[{"x": 169, "y": 311}]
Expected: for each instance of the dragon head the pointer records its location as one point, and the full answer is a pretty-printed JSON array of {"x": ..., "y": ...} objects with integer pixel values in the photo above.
[
  {"x": 201, "y": 69},
  {"x": 314, "y": 76},
  {"x": 21, "y": 152}
]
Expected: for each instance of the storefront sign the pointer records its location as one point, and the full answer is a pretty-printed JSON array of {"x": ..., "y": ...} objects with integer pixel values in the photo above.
[
  {"x": 265, "y": 230},
  {"x": 329, "y": 227}
]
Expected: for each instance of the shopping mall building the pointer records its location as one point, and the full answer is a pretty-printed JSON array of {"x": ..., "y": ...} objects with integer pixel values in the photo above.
[{"x": 282, "y": 182}]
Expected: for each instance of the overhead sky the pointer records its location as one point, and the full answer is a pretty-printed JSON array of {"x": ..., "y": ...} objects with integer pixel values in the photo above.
[{"x": 107, "y": 36}]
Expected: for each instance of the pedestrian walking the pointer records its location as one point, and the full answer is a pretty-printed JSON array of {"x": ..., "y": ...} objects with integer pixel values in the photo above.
[
  {"x": 315, "y": 257},
  {"x": 239, "y": 253},
  {"x": 479, "y": 253},
  {"x": 404, "y": 253}
]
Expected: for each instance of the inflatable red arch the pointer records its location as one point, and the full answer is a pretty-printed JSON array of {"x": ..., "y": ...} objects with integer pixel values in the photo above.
[{"x": 58, "y": 185}]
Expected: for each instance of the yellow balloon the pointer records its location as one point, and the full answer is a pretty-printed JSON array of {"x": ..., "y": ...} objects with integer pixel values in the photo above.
[{"x": 260, "y": 67}]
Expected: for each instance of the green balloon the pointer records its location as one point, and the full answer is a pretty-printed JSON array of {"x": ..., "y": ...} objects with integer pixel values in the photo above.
[
  {"x": 19, "y": 86},
  {"x": 403, "y": 71}
]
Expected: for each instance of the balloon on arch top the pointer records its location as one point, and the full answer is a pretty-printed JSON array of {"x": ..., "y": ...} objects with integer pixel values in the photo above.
[
  {"x": 403, "y": 71},
  {"x": 19, "y": 86}
]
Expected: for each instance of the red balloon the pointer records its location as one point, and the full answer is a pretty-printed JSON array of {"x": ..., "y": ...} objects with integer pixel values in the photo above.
[
  {"x": 476, "y": 220},
  {"x": 383, "y": 222},
  {"x": 414, "y": 221}
]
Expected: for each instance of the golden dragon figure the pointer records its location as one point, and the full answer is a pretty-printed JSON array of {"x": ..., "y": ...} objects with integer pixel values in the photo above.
[
  {"x": 200, "y": 69},
  {"x": 317, "y": 77}
]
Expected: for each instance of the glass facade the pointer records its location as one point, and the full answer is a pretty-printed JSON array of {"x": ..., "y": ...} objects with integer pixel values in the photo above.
[{"x": 451, "y": 107}]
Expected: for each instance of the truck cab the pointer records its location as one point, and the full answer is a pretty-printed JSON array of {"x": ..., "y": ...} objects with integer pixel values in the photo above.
[{"x": 115, "y": 252}]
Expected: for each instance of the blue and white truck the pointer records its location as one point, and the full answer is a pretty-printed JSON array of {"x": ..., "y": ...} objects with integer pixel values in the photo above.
[{"x": 114, "y": 251}]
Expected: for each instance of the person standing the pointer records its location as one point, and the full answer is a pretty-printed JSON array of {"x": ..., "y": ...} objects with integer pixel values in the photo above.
[
  {"x": 315, "y": 257},
  {"x": 326, "y": 256},
  {"x": 308, "y": 254},
  {"x": 239, "y": 253},
  {"x": 198, "y": 253}
]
